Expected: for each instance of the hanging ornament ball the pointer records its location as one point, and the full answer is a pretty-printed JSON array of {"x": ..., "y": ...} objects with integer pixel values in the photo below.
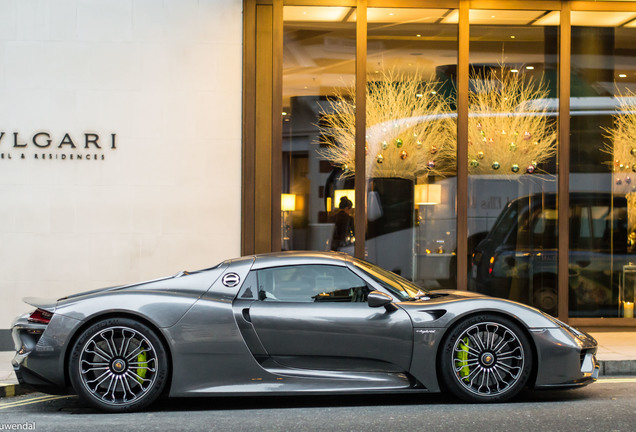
[
  {"x": 490, "y": 140},
  {"x": 399, "y": 143},
  {"x": 433, "y": 149},
  {"x": 515, "y": 168},
  {"x": 474, "y": 163},
  {"x": 385, "y": 145},
  {"x": 345, "y": 167},
  {"x": 503, "y": 132},
  {"x": 512, "y": 146},
  {"x": 431, "y": 164},
  {"x": 634, "y": 167},
  {"x": 619, "y": 182},
  {"x": 621, "y": 166},
  {"x": 380, "y": 159},
  {"x": 530, "y": 169},
  {"x": 403, "y": 155},
  {"x": 418, "y": 144},
  {"x": 495, "y": 165},
  {"x": 633, "y": 151},
  {"x": 527, "y": 135},
  {"x": 478, "y": 126},
  {"x": 480, "y": 155},
  {"x": 483, "y": 133},
  {"x": 534, "y": 164},
  {"x": 484, "y": 139},
  {"x": 628, "y": 180}
]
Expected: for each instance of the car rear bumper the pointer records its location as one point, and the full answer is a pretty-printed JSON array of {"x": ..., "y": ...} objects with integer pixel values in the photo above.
[{"x": 40, "y": 351}]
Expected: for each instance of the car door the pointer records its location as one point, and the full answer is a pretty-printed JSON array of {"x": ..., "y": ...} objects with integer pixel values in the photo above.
[{"x": 316, "y": 317}]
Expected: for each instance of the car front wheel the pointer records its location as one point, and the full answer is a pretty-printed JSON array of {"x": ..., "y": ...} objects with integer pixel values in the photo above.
[
  {"x": 486, "y": 358},
  {"x": 118, "y": 365}
]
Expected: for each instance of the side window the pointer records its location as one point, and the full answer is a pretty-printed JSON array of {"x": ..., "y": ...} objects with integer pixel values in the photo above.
[
  {"x": 249, "y": 290},
  {"x": 546, "y": 229},
  {"x": 310, "y": 283}
]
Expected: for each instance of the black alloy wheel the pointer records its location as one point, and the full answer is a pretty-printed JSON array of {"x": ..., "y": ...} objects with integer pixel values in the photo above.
[
  {"x": 118, "y": 365},
  {"x": 486, "y": 358}
]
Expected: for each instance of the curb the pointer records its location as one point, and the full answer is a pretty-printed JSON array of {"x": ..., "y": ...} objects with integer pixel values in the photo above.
[
  {"x": 10, "y": 390},
  {"x": 617, "y": 367}
]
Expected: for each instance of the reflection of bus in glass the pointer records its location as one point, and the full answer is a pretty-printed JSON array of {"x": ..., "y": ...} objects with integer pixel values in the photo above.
[{"x": 518, "y": 258}]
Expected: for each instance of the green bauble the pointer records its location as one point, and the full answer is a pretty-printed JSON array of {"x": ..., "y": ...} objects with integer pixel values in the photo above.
[
  {"x": 480, "y": 155},
  {"x": 385, "y": 145},
  {"x": 495, "y": 165},
  {"x": 515, "y": 168},
  {"x": 512, "y": 146},
  {"x": 399, "y": 143},
  {"x": 633, "y": 151},
  {"x": 474, "y": 163},
  {"x": 380, "y": 159}
]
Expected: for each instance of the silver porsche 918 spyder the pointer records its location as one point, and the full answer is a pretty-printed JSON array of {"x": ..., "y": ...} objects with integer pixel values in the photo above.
[{"x": 289, "y": 323}]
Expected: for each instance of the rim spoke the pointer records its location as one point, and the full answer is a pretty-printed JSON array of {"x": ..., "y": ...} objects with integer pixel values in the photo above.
[{"x": 99, "y": 352}]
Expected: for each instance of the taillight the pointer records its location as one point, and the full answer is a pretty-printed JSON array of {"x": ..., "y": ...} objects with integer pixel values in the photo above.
[
  {"x": 40, "y": 316},
  {"x": 491, "y": 263}
]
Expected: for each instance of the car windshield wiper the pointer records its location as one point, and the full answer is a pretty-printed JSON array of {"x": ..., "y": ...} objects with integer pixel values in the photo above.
[{"x": 421, "y": 295}]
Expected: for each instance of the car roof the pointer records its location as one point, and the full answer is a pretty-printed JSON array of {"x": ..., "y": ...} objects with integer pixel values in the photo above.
[{"x": 276, "y": 259}]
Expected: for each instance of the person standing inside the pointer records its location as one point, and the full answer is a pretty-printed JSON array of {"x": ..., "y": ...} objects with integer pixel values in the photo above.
[{"x": 343, "y": 231}]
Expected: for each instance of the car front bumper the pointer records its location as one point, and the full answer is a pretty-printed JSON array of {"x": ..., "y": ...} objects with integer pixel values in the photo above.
[{"x": 566, "y": 357}]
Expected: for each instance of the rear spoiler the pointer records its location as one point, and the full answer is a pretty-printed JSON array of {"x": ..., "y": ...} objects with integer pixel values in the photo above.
[{"x": 48, "y": 304}]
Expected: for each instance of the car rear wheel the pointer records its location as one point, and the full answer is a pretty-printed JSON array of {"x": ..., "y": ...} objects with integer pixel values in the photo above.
[
  {"x": 118, "y": 365},
  {"x": 486, "y": 358}
]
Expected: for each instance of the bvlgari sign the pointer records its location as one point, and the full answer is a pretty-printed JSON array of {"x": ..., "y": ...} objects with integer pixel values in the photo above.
[{"x": 64, "y": 146}]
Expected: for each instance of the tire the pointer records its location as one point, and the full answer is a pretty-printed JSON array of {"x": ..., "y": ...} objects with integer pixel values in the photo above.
[
  {"x": 485, "y": 358},
  {"x": 118, "y": 365},
  {"x": 546, "y": 298}
]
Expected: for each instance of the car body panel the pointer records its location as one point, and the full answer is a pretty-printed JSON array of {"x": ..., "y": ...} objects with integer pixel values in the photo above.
[{"x": 222, "y": 339}]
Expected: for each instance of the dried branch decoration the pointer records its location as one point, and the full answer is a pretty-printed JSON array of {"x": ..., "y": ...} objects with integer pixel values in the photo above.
[
  {"x": 622, "y": 145},
  {"x": 509, "y": 127},
  {"x": 407, "y": 128}
]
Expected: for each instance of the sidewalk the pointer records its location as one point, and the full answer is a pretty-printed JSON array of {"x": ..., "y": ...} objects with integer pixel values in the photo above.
[{"x": 616, "y": 355}]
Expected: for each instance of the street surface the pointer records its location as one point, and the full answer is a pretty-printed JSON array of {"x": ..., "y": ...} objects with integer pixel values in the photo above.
[{"x": 608, "y": 405}]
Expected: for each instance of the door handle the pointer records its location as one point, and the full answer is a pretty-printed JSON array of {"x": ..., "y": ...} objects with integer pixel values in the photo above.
[{"x": 246, "y": 315}]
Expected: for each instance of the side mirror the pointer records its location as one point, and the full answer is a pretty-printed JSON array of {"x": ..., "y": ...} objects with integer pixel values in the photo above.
[{"x": 377, "y": 299}]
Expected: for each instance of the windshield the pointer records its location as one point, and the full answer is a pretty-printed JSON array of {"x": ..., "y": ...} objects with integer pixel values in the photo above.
[{"x": 402, "y": 288}]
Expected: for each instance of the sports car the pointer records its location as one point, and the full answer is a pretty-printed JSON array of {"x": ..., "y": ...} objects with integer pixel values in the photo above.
[{"x": 290, "y": 323}]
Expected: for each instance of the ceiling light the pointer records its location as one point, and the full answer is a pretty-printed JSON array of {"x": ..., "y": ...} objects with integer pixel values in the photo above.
[
  {"x": 622, "y": 75},
  {"x": 530, "y": 67},
  {"x": 514, "y": 70}
]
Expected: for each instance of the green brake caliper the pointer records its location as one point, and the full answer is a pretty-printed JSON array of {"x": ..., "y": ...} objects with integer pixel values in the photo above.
[
  {"x": 142, "y": 358},
  {"x": 461, "y": 359}
]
